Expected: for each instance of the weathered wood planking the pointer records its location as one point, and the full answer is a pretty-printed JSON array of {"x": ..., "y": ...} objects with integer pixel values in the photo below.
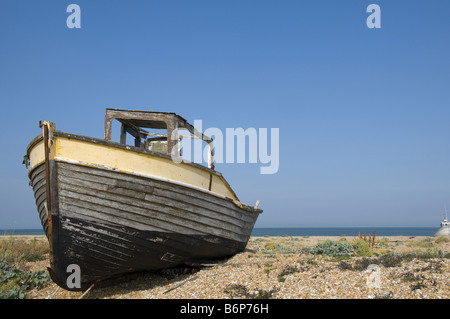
[
  {"x": 110, "y": 223},
  {"x": 39, "y": 187}
]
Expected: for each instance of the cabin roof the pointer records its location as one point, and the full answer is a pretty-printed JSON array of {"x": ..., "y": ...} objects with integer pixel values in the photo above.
[
  {"x": 134, "y": 122},
  {"x": 149, "y": 119},
  {"x": 146, "y": 119}
]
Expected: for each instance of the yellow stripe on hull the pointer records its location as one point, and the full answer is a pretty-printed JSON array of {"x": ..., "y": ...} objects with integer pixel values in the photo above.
[{"x": 90, "y": 153}]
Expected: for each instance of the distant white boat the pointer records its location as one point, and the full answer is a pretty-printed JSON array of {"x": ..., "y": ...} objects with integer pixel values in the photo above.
[{"x": 445, "y": 227}]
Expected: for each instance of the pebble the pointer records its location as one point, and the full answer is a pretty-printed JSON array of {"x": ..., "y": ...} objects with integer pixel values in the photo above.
[{"x": 312, "y": 277}]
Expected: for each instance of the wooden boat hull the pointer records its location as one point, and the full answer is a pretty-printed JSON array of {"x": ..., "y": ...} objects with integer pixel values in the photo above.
[{"x": 110, "y": 223}]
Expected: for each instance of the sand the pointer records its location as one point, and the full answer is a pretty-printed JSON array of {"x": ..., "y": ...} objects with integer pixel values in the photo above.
[{"x": 277, "y": 267}]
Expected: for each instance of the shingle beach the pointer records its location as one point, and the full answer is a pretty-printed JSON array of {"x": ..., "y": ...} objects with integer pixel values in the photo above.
[{"x": 280, "y": 268}]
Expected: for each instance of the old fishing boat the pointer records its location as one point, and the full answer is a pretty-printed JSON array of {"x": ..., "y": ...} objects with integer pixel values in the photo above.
[{"x": 111, "y": 208}]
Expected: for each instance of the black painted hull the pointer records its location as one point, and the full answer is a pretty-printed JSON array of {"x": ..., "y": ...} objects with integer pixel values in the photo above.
[{"x": 110, "y": 223}]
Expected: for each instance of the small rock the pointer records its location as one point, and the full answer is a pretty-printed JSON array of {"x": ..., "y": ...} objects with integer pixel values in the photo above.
[
  {"x": 384, "y": 295},
  {"x": 373, "y": 267}
]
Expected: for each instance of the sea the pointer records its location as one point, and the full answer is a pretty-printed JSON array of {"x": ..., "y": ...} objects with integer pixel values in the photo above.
[
  {"x": 301, "y": 232},
  {"x": 345, "y": 231}
]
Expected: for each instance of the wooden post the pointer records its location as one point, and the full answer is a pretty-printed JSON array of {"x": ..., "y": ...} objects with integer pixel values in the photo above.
[
  {"x": 123, "y": 135},
  {"x": 373, "y": 239}
]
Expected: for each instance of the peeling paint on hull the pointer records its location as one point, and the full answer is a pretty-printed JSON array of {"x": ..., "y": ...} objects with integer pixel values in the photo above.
[
  {"x": 111, "y": 223},
  {"x": 110, "y": 250}
]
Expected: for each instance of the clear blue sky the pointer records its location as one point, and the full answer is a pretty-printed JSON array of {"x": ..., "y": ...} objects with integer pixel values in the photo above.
[{"x": 364, "y": 114}]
